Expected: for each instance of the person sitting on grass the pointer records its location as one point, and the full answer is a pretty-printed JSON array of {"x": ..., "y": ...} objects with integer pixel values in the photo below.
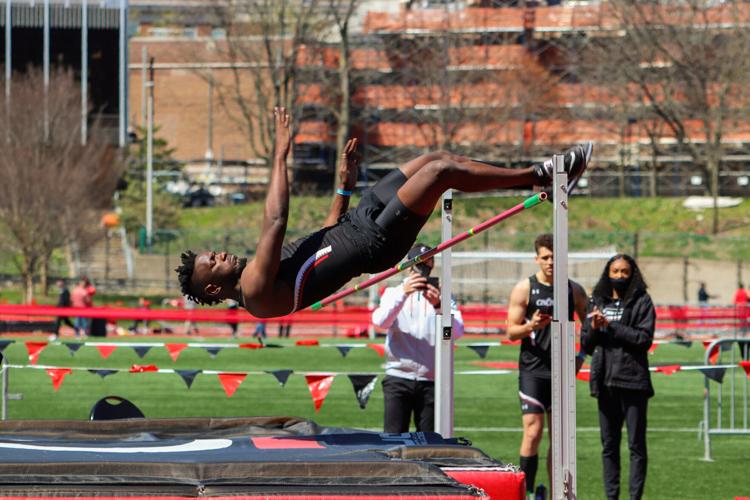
[{"x": 370, "y": 238}]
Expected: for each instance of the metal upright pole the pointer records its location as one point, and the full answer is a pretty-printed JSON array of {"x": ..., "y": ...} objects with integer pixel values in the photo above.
[
  {"x": 144, "y": 86},
  {"x": 45, "y": 67},
  {"x": 150, "y": 155},
  {"x": 84, "y": 70},
  {"x": 123, "y": 74},
  {"x": 4, "y": 369},
  {"x": 563, "y": 350},
  {"x": 8, "y": 64},
  {"x": 443, "y": 337}
]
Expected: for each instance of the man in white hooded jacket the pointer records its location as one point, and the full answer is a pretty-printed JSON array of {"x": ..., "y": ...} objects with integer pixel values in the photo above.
[{"x": 408, "y": 311}]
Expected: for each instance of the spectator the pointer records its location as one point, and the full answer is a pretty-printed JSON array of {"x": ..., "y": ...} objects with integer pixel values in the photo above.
[
  {"x": 81, "y": 298},
  {"x": 233, "y": 310},
  {"x": 260, "y": 330},
  {"x": 408, "y": 311},
  {"x": 618, "y": 332},
  {"x": 529, "y": 315},
  {"x": 145, "y": 305},
  {"x": 189, "y": 305},
  {"x": 703, "y": 295},
  {"x": 740, "y": 307},
  {"x": 285, "y": 328},
  {"x": 63, "y": 300}
]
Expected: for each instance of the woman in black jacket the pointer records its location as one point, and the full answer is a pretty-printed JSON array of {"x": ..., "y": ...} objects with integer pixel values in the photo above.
[{"x": 618, "y": 332}]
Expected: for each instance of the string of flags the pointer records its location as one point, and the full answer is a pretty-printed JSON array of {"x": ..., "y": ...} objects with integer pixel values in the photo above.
[
  {"x": 35, "y": 348},
  {"x": 318, "y": 383}
]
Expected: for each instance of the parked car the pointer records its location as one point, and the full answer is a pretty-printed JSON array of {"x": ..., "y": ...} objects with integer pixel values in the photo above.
[{"x": 200, "y": 197}]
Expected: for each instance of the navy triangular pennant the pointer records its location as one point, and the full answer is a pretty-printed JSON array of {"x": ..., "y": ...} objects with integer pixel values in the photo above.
[
  {"x": 281, "y": 375},
  {"x": 73, "y": 347},
  {"x": 344, "y": 349},
  {"x": 103, "y": 373},
  {"x": 141, "y": 350},
  {"x": 725, "y": 346},
  {"x": 363, "y": 386},
  {"x": 744, "y": 350},
  {"x": 479, "y": 349},
  {"x": 188, "y": 376},
  {"x": 4, "y": 344},
  {"x": 213, "y": 351},
  {"x": 273, "y": 346},
  {"x": 715, "y": 374}
]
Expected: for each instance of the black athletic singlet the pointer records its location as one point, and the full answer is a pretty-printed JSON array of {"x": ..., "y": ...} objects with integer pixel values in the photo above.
[{"x": 536, "y": 355}]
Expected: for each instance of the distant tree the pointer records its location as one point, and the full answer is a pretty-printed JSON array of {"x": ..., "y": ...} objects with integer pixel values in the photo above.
[
  {"x": 132, "y": 197},
  {"x": 53, "y": 190},
  {"x": 687, "y": 63}
]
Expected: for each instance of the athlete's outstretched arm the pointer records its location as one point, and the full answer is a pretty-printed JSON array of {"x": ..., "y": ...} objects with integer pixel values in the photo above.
[
  {"x": 263, "y": 268},
  {"x": 347, "y": 177}
]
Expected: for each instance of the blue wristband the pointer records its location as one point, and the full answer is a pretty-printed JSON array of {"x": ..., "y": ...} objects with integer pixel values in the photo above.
[{"x": 343, "y": 193}]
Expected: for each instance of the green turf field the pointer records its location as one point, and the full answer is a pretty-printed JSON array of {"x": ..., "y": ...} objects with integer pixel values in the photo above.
[{"x": 486, "y": 406}]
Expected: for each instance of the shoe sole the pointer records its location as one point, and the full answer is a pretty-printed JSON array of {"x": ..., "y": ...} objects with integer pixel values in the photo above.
[{"x": 573, "y": 182}]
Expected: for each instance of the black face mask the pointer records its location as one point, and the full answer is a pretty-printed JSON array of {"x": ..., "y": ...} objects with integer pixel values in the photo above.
[
  {"x": 620, "y": 285},
  {"x": 423, "y": 269}
]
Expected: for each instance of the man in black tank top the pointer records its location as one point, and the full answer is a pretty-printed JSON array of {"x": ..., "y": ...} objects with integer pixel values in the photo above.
[
  {"x": 370, "y": 238},
  {"x": 529, "y": 317}
]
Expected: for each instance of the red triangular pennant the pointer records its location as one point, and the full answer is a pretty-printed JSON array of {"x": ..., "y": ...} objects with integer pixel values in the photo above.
[
  {"x": 652, "y": 348},
  {"x": 379, "y": 348},
  {"x": 746, "y": 366},
  {"x": 106, "y": 350},
  {"x": 668, "y": 369},
  {"x": 231, "y": 381},
  {"x": 319, "y": 386},
  {"x": 143, "y": 368},
  {"x": 57, "y": 375},
  {"x": 714, "y": 355},
  {"x": 308, "y": 342},
  {"x": 584, "y": 375},
  {"x": 175, "y": 350},
  {"x": 509, "y": 342},
  {"x": 34, "y": 349},
  {"x": 251, "y": 345}
]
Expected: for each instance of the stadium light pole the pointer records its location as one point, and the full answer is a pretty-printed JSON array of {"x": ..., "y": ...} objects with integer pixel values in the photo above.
[{"x": 150, "y": 155}]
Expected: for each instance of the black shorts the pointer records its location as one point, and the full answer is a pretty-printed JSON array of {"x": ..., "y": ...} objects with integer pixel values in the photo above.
[
  {"x": 535, "y": 393},
  {"x": 391, "y": 239}
]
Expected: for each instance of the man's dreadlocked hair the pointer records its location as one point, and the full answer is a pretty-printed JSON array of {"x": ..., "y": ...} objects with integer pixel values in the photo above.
[{"x": 185, "y": 275}]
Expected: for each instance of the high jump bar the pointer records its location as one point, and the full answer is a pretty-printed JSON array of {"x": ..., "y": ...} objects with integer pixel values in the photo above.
[{"x": 530, "y": 202}]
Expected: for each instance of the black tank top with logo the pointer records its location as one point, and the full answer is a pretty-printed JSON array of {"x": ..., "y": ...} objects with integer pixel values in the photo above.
[{"x": 536, "y": 352}]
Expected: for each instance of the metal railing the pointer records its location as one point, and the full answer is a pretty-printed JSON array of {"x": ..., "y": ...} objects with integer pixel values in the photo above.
[{"x": 730, "y": 392}]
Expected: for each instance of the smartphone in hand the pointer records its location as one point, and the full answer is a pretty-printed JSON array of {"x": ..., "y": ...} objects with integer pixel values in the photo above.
[{"x": 434, "y": 281}]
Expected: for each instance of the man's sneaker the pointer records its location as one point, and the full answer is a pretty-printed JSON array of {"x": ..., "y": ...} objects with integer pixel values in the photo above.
[{"x": 576, "y": 160}]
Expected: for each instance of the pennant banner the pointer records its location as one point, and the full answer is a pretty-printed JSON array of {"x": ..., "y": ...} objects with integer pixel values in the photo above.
[
  {"x": 73, "y": 347},
  {"x": 746, "y": 366},
  {"x": 715, "y": 374},
  {"x": 34, "y": 349},
  {"x": 251, "y": 345},
  {"x": 584, "y": 375},
  {"x": 141, "y": 350},
  {"x": 103, "y": 373},
  {"x": 481, "y": 350},
  {"x": 363, "y": 386},
  {"x": 4, "y": 344},
  {"x": 213, "y": 351},
  {"x": 319, "y": 386},
  {"x": 231, "y": 382},
  {"x": 106, "y": 350},
  {"x": 344, "y": 349},
  {"x": 652, "y": 348},
  {"x": 175, "y": 350},
  {"x": 307, "y": 342},
  {"x": 281, "y": 375},
  {"x": 143, "y": 368},
  {"x": 713, "y": 356},
  {"x": 379, "y": 348},
  {"x": 668, "y": 369},
  {"x": 188, "y": 376},
  {"x": 57, "y": 375}
]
